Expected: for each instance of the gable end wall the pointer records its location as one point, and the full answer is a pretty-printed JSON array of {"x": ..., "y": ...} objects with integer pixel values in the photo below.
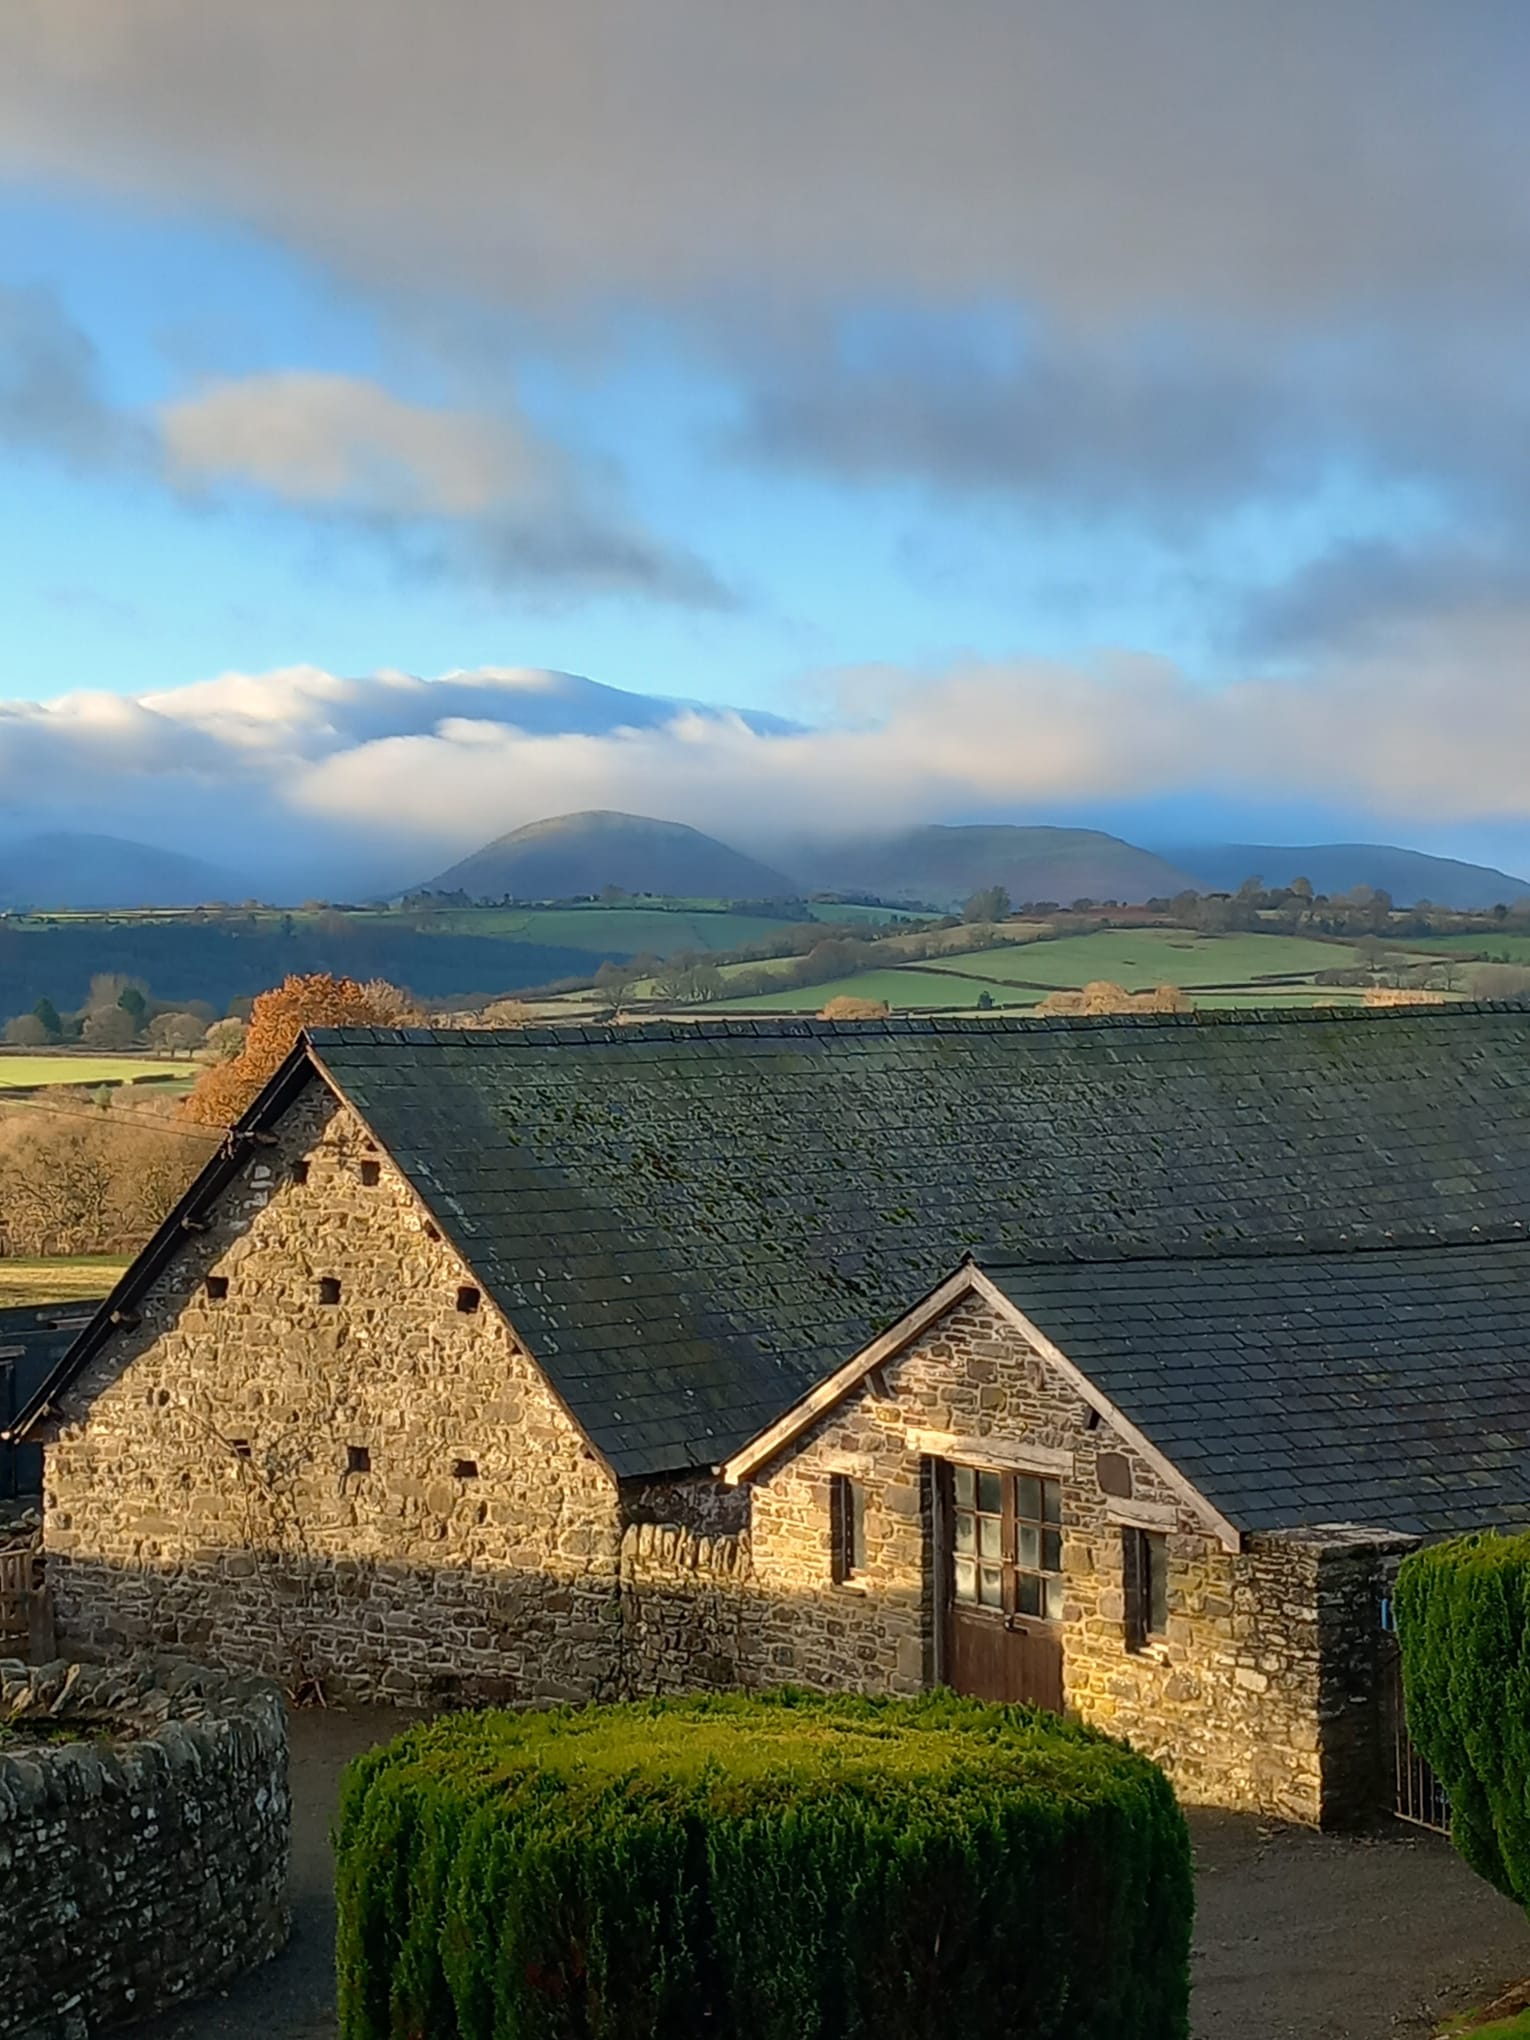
[
  {"x": 1261, "y": 1695},
  {"x": 402, "y": 1583}
]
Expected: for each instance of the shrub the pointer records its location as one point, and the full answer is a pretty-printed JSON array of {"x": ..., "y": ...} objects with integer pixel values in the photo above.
[
  {"x": 783, "y": 1865},
  {"x": 1463, "y": 1620}
]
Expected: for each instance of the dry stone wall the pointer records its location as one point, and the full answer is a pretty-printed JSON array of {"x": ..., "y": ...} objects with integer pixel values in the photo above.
[
  {"x": 379, "y": 1493},
  {"x": 144, "y": 1836},
  {"x": 1261, "y": 1694}
]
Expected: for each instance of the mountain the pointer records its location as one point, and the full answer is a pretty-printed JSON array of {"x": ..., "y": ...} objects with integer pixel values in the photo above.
[
  {"x": 572, "y": 855},
  {"x": 1408, "y": 875},
  {"x": 73, "y": 870},
  {"x": 941, "y": 867}
]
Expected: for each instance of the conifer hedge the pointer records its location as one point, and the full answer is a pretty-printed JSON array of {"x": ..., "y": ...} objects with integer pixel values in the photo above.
[
  {"x": 1463, "y": 1621},
  {"x": 780, "y": 1866}
]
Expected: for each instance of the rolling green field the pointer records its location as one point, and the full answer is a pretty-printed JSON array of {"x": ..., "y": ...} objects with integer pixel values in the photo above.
[
  {"x": 81, "y": 1277},
  {"x": 1018, "y": 976},
  {"x": 1483, "y": 947},
  {"x": 1140, "y": 958},
  {"x": 29, "y": 1072},
  {"x": 603, "y": 931},
  {"x": 908, "y": 989}
]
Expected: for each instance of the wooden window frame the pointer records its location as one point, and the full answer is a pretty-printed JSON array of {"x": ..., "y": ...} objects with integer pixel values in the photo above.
[
  {"x": 847, "y": 1530},
  {"x": 1020, "y": 1540},
  {"x": 1145, "y": 1586}
]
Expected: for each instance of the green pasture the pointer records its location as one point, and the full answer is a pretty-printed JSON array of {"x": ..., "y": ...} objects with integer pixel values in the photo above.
[
  {"x": 73, "y": 1278},
  {"x": 1482, "y": 946},
  {"x": 910, "y": 989},
  {"x": 29, "y": 1072},
  {"x": 1140, "y": 958}
]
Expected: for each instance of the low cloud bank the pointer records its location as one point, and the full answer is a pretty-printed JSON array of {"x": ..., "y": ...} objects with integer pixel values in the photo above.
[{"x": 310, "y": 781}]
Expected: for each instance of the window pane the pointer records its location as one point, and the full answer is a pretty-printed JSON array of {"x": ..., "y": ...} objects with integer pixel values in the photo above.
[
  {"x": 855, "y": 1527},
  {"x": 1051, "y": 1501},
  {"x": 965, "y": 1581},
  {"x": 990, "y": 1490},
  {"x": 1028, "y": 1594},
  {"x": 964, "y": 1486},
  {"x": 1030, "y": 1546},
  {"x": 1028, "y": 1489},
  {"x": 1054, "y": 1599},
  {"x": 1051, "y": 1551},
  {"x": 966, "y": 1531},
  {"x": 990, "y": 1532},
  {"x": 991, "y": 1586},
  {"x": 1156, "y": 1558}
]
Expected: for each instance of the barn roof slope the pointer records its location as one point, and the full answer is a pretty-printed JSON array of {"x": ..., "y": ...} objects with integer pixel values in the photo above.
[
  {"x": 1388, "y": 1387},
  {"x": 692, "y": 1223}
]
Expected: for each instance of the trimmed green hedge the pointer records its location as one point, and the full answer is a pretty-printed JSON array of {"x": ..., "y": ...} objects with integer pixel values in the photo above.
[
  {"x": 781, "y": 1866},
  {"x": 1463, "y": 1620}
]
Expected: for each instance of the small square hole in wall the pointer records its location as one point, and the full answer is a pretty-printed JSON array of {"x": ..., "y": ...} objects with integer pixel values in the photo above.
[
  {"x": 240, "y": 1447},
  {"x": 467, "y": 1298},
  {"x": 371, "y": 1174},
  {"x": 432, "y": 1232},
  {"x": 217, "y": 1287},
  {"x": 300, "y": 1172},
  {"x": 329, "y": 1289},
  {"x": 464, "y": 1469},
  {"x": 358, "y": 1459}
]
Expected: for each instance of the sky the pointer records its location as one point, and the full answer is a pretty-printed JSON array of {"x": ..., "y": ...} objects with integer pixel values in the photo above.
[{"x": 1042, "y": 409}]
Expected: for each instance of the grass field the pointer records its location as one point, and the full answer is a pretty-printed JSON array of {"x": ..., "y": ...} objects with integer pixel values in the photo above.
[
  {"x": 25, "y": 1072},
  {"x": 1140, "y": 958},
  {"x": 1485, "y": 947},
  {"x": 1017, "y": 976},
  {"x": 80, "y": 1276},
  {"x": 907, "y": 990}
]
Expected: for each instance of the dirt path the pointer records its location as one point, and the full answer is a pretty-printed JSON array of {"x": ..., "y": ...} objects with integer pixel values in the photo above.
[{"x": 1298, "y": 1936}]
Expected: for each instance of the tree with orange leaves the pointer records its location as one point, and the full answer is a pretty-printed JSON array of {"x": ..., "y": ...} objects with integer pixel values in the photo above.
[{"x": 226, "y": 1091}]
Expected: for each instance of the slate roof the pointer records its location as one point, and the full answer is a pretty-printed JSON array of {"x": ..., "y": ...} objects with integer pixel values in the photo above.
[
  {"x": 691, "y": 1224},
  {"x": 1383, "y": 1387}
]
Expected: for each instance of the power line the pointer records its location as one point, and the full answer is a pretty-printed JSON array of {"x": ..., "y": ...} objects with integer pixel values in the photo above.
[{"x": 98, "y": 1116}]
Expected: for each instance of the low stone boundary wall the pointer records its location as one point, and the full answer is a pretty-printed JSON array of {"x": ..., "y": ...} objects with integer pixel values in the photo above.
[{"x": 144, "y": 1836}]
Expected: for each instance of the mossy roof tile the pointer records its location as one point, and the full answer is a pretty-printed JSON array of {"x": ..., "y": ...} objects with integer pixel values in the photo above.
[{"x": 780, "y": 1192}]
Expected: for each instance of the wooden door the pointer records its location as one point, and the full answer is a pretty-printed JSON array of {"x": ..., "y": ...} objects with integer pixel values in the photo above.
[{"x": 1002, "y": 1585}]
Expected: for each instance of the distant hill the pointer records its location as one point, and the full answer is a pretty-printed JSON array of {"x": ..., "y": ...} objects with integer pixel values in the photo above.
[
  {"x": 944, "y": 866},
  {"x": 1408, "y": 875},
  {"x": 74, "y": 870},
  {"x": 572, "y": 855}
]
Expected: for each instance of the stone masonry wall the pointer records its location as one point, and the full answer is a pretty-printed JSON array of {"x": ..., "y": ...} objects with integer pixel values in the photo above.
[
  {"x": 1234, "y": 1700},
  {"x": 139, "y": 1870},
  {"x": 379, "y": 1493}
]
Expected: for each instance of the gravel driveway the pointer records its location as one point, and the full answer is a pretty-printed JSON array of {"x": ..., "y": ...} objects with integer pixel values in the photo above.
[{"x": 1298, "y": 1936}]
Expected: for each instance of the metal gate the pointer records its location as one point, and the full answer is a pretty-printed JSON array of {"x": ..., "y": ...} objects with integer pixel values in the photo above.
[{"x": 1417, "y": 1794}]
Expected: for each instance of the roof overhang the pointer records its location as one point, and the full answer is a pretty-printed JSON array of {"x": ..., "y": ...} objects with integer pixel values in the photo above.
[{"x": 966, "y": 1282}]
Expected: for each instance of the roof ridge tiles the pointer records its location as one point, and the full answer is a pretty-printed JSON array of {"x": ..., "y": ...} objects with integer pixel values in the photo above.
[{"x": 799, "y": 1027}]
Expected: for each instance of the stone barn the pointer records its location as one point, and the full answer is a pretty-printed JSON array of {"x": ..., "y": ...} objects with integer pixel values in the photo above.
[{"x": 1108, "y": 1363}]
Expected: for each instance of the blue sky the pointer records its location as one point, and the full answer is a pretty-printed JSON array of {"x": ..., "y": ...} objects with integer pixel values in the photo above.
[{"x": 833, "y": 363}]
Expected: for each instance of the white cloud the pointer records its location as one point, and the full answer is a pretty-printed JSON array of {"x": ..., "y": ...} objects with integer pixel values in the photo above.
[
  {"x": 310, "y": 780},
  {"x": 478, "y": 496},
  {"x": 341, "y": 440}
]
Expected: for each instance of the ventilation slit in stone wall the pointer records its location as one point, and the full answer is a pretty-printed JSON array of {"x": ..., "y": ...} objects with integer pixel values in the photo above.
[
  {"x": 329, "y": 1289},
  {"x": 467, "y": 1298},
  {"x": 371, "y": 1174},
  {"x": 217, "y": 1287},
  {"x": 300, "y": 1172},
  {"x": 358, "y": 1459},
  {"x": 464, "y": 1469},
  {"x": 240, "y": 1447}
]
